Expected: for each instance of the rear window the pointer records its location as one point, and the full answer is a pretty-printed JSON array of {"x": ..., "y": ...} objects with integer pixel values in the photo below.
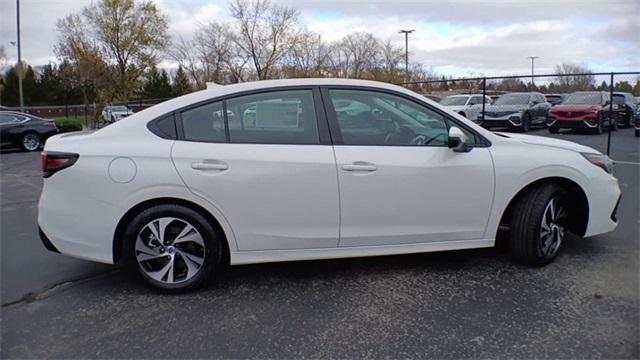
[{"x": 278, "y": 117}]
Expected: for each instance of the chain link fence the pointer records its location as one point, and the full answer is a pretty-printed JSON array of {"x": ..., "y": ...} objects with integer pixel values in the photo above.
[{"x": 591, "y": 103}]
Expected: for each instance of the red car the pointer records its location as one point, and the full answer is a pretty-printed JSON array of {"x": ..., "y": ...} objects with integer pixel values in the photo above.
[{"x": 582, "y": 110}]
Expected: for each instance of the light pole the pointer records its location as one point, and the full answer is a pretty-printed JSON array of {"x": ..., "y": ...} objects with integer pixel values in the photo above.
[
  {"x": 19, "y": 56},
  {"x": 533, "y": 58},
  {"x": 406, "y": 51}
]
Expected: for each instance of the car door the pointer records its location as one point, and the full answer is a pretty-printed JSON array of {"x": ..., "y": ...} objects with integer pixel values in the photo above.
[
  {"x": 9, "y": 125},
  {"x": 399, "y": 181},
  {"x": 267, "y": 166}
]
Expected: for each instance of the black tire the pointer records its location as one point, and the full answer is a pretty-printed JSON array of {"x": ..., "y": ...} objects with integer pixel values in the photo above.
[
  {"x": 462, "y": 114},
  {"x": 637, "y": 132},
  {"x": 613, "y": 124},
  {"x": 526, "y": 123},
  {"x": 212, "y": 249},
  {"x": 629, "y": 120},
  {"x": 553, "y": 130},
  {"x": 30, "y": 141},
  {"x": 525, "y": 243},
  {"x": 600, "y": 128}
]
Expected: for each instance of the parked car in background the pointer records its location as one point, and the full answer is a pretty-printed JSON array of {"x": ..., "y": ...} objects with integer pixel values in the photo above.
[
  {"x": 583, "y": 110},
  {"x": 469, "y": 106},
  {"x": 517, "y": 111},
  {"x": 627, "y": 106},
  {"x": 113, "y": 113},
  {"x": 637, "y": 122},
  {"x": 554, "y": 99},
  {"x": 182, "y": 191},
  {"x": 25, "y": 130}
]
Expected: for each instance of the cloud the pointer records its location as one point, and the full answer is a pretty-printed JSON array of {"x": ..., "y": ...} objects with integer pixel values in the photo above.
[{"x": 456, "y": 36}]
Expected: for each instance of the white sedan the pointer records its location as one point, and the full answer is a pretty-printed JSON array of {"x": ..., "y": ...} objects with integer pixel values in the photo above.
[
  {"x": 177, "y": 190},
  {"x": 469, "y": 106}
]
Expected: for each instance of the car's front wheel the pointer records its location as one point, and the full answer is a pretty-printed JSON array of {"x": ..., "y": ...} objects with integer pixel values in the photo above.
[
  {"x": 174, "y": 248},
  {"x": 526, "y": 122},
  {"x": 538, "y": 225}
]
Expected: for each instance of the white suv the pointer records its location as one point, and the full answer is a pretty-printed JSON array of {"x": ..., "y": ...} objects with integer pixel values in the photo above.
[
  {"x": 183, "y": 187},
  {"x": 469, "y": 106}
]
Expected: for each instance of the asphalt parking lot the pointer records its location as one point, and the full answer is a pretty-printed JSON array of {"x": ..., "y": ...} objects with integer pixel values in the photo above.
[{"x": 446, "y": 305}]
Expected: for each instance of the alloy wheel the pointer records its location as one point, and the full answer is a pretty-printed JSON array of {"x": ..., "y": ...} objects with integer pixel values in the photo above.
[
  {"x": 170, "y": 250},
  {"x": 31, "y": 142},
  {"x": 552, "y": 228}
]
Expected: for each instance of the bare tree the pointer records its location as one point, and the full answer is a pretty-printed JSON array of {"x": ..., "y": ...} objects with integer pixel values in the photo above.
[
  {"x": 388, "y": 66},
  {"x": 308, "y": 54},
  {"x": 129, "y": 33},
  {"x": 356, "y": 55},
  {"x": 568, "y": 82},
  {"x": 264, "y": 32}
]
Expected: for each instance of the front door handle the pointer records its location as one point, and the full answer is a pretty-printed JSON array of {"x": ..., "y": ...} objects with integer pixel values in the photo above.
[
  {"x": 205, "y": 165},
  {"x": 359, "y": 167}
]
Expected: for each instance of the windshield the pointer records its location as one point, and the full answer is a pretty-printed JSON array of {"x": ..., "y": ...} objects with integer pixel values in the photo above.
[
  {"x": 618, "y": 99},
  {"x": 454, "y": 100},
  {"x": 583, "y": 99},
  {"x": 512, "y": 99}
]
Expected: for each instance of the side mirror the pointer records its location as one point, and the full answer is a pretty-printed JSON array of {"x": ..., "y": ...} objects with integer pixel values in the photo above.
[{"x": 458, "y": 140}]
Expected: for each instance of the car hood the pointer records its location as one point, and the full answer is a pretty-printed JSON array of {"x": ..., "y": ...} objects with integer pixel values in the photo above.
[
  {"x": 586, "y": 107},
  {"x": 505, "y": 108},
  {"x": 546, "y": 141}
]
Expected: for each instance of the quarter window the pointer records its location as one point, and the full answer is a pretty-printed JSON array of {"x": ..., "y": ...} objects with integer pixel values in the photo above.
[
  {"x": 375, "y": 118},
  {"x": 280, "y": 117},
  {"x": 204, "y": 123}
]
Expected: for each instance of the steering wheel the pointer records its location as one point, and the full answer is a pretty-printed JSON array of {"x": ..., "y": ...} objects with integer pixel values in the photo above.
[{"x": 423, "y": 140}]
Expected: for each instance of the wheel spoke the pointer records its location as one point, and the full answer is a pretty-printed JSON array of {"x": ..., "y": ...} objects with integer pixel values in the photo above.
[
  {"x": 142, "y": 247},
  {"x": 160, "y": 274},
  {"x": 190, "y": 257},
  {"x": 193, "y": 236},
  {"x": 143, "y": 256},
  {"x": 552, "y": 209},
  {"x": 191, "y": 265}
]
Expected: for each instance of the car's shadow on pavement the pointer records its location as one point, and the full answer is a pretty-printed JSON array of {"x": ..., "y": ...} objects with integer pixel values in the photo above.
[{"x": 449, "y": 263}]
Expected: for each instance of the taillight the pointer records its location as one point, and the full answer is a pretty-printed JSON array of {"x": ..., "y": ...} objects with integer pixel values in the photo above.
[
  {"x": 50, "y": 124},
  {"x": 53, "y": 161}
]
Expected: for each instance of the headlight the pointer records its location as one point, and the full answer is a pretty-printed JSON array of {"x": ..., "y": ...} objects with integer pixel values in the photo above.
[{"x": 600, "y": 160}]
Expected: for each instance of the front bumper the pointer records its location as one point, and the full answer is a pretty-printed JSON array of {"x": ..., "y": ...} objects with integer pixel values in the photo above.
[
  {"x": 512, "y": 120},
  {"x": 604, "y": 200},
  {"x": 586, "y": 123}
]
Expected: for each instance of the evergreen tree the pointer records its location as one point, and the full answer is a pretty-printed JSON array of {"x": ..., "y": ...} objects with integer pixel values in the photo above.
[
  {"x": 156, "y": 85},
  {"x": 181, "y": 84},
  {"x": 10, "y": 93},
  {"x": 51, "y": 87}
]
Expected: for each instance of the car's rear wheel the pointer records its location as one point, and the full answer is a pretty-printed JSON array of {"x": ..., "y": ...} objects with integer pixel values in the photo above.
[
  {"x": 538, "y": 225},
  {"x": 31, "y": 141},
  {"x": 553, "y": 130},
  {"x": 174, "y": 248}
]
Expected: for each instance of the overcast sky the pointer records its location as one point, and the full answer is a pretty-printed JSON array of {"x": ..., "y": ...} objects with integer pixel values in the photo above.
[{"x": 454, "y": 37}]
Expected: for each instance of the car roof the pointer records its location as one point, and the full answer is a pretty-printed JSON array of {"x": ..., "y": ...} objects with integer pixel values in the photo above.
[
  {"x": 220, "y": 91},
  {"x": 16, "y": 113}
]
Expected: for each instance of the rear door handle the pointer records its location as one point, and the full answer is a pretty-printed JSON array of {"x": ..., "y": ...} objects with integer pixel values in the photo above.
[
  {"x": 359, "y": 167},
  {"x": 205, "y": 165}
]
